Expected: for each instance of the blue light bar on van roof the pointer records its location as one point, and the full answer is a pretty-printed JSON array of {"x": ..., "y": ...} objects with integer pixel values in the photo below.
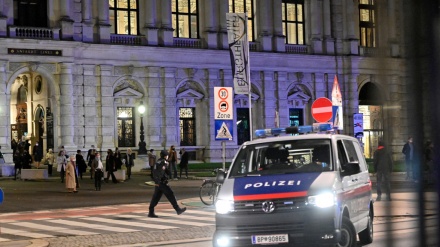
[{"x": 261, "y": 133}]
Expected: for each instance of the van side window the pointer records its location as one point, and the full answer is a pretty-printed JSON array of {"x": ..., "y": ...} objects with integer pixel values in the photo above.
[
  {"x": 342, "y": 156},
  {"x": 351, "y": 151}
]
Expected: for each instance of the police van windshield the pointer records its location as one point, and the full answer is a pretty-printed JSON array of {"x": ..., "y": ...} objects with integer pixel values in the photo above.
[{"x": 296, "y": 156}]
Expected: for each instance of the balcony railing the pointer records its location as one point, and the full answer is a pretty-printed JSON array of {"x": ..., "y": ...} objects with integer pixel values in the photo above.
[
  {"x": 188, "y": 43},
  {"x": 34, "y": 33},
  {"x": 124, "y": 39},
  {"x": 299, "y": 49}
]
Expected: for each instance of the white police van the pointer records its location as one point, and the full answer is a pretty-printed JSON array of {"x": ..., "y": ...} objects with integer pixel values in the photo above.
[{"x": 300, "y": 190}]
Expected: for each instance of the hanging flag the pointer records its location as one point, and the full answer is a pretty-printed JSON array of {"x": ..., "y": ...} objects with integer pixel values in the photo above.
[
  {"x": 239, "y": 51},
  {"x": 338, "y": 120}
]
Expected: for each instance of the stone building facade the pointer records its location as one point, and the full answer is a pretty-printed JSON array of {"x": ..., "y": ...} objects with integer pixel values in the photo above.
[{"x": 74, "y": 77}]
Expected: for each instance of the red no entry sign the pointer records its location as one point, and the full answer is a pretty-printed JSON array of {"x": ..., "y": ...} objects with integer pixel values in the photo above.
[{"x": 322, "y": 110}]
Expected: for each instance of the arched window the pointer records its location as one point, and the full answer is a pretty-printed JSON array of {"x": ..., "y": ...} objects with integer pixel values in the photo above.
[
  {"x": 293, "y": 21},
  {"x": 245, "y": 6},
  {"x": 124, "y": 16},
  {"x": 185, "y": 18}
]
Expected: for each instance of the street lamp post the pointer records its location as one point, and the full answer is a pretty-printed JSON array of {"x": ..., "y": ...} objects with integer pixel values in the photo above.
[{"x": 142, "y": 144}]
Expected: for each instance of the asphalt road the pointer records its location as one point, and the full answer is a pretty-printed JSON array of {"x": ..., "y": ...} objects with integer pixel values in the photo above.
[{"x": 31, "y": 195}]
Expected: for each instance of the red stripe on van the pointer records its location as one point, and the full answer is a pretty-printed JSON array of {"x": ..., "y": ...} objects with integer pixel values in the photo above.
[{"x": 270, "y": 196}]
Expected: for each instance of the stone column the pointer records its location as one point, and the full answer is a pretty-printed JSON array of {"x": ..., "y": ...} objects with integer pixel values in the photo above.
[
  {"x": 155, "y": 108},
  {"x": 264, "y": 24},
  {"x": 7, "y": 169},
  {"x": 151, "y": 29},
  {"x": 87, "y": 21},
  {"x": 271, "y": 102},
  {"x": 281, "y": 99},
  {"x": 279, "y": 40},
  {"x": 107, "y": 108},
  {"x": 166, "y": 31},
  {"x": 103, "y": 22},
  {"x": 316, "y": 26},
  {"x": 90, "y": 103},
  {"x": 66, "y": 22},
  {"x": 223, "y": 35},
  {"x": 349, "y": 20},
  {"x": 210, "y": 17},
  {"x": 168, "y": 100},
  {"x": 329, "y": 41},
  {"x": 350, "y": 101},
  {"x": 67, "y": 112},
  {"x": 3, "y": 20}
]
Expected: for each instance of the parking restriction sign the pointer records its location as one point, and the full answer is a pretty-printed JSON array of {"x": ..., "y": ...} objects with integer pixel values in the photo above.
[{"x": 223, "y": 108}]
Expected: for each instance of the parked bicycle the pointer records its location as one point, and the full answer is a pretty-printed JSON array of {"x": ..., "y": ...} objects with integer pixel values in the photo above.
[{"x": 210, "y": 189}]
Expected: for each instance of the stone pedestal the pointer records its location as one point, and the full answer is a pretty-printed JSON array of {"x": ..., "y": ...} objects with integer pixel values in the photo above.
[
  {"x": 166, "y": 37},
  {"x": 152, "y": 35}
]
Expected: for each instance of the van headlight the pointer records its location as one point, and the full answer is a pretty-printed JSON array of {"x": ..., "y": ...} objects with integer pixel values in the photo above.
[
  {"x": 224, "y": 206},
  {"x": 323, "y": 200}
]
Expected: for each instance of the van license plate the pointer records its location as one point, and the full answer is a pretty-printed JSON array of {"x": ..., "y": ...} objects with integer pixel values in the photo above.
[{"x": 270, "y": 239}]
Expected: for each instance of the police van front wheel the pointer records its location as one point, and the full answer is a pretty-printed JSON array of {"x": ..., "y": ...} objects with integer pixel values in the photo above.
[
  {"x": 348, "y": 234},
  {"x": 366, "y": 236}
]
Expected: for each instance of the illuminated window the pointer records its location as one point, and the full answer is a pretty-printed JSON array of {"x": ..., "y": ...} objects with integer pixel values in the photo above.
[
  {"x": 187, "y": 122},
  {"x": 244, "y": 6},
  {"x": 293, "y": 21},
  {"x": 367, "y": 23},
  {"x": 124, "y": 16},
  {"x": 185, "y": 18},
  {"x": 126, "y": 135}
]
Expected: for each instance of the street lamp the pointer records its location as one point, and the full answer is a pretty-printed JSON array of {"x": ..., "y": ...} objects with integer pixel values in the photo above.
[{"x": 142, "y": 144}]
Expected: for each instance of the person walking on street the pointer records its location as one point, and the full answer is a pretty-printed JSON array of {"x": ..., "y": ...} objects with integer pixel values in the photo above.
[
  {"x": 160, "y": 177},
  {"x": 183, "y": 162},
  {"x": 172, "y": 160},
  {"x": 50, "y": 160},
  {"x": 71, "y": 176},
  {"x": 98, "y": 168},
  {"x": 408, "y": 151},
  {"x": 129, "y": 162},
  {"x": 118, "y": 159},
  {"x": 151, "y": 161},
  {"x": 27, "y": 160},
  {"x": 38, "y": 154},
  {"x": 383, "y": 166},
  {"x": 90, "y": 158},
  {"x": 61, "y": 161},
  {"x": 110, "y": 166}
]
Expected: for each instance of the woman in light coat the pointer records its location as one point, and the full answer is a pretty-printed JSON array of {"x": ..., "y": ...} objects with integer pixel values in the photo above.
[
  {"x": 50, "y": 160},
  {"x": 61, "y": 161},
  {"x": 70, "y": 175}
]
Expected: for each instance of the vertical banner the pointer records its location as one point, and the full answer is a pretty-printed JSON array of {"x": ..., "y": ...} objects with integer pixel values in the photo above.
[
  {"x": 239, "y": 51},
  {"x": 358, "y": 125},
  {"x": 338, "y": 117}
]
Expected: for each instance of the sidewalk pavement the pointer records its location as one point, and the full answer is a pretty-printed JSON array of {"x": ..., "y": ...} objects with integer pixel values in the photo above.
[{"x": 403, "y": 204}]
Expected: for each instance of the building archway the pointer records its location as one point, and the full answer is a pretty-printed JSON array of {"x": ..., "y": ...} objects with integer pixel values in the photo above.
[{"x": 371, "y": 102}]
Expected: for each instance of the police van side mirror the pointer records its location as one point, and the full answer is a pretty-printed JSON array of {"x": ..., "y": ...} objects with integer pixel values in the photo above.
[
  {"x": 350, "y": 168},
  {"x": 220, "y": 178}
]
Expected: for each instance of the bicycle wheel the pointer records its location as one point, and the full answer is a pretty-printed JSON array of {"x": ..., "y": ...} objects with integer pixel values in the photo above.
[{"x": 207, "y": 192}]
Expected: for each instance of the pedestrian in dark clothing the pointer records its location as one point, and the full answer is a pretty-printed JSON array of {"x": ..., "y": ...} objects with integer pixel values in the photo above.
[
  {"x": 383, "y": 166},
  {"x": 183, "y": 162},
  {"x": 110, "y": 166},
  {"x": 408, "y": 151},
  {"x": 38, "y": 154},
  {"x": 118, "y": 159},
  {"x": 27, "y": 160},
  {"x": 90, "y": 158},
  {"x": 98, "y": 168},
  {"x": 429, "y": 161},
  {"x": 161, "y": 173},
  {"x": 18, "y": 163},
  {"x": 129, "y": 162},
  {"x": 80, "y": 163}
]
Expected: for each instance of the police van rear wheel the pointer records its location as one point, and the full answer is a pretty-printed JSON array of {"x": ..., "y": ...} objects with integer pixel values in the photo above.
[{"x": 348, "y": 234}]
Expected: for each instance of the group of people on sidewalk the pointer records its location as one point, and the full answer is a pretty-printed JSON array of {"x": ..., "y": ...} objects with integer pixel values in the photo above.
[{"x": 383, "y": 165}]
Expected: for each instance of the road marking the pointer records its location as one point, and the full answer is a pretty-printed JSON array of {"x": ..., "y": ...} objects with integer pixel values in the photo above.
[
  {"x": 128, "y": 223},
  {"x": 93, "y": 226},
  {"x": 53, "y": 229},
  {"x": 25, "y": 233}
]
